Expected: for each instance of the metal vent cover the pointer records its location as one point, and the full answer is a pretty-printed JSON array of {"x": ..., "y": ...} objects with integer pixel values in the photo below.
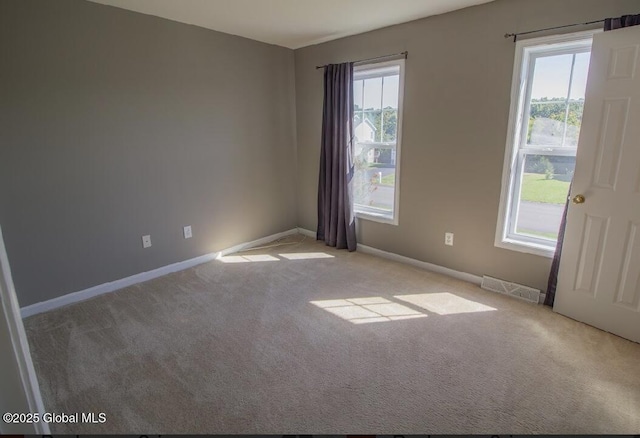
[{"x": 512, "y": 289}]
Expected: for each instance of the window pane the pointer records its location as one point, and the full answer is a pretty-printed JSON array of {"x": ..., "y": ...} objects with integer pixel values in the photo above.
[
  {"x": 543, "y": 193},
  {"x": 389, "y": 125},
  {"x": 580, "y": 71},
  {"x": 357, "y": 95},
  {"x": 390, "y": 92},
  {"x": 374, "y": 178},
  {"x": 371, "y": 125},
  {"x": 574, "y": 121},
  {"x": 551, "y": 77},
  {"x": 546, "y": 123},
  {"x": 373, "y": 94}
]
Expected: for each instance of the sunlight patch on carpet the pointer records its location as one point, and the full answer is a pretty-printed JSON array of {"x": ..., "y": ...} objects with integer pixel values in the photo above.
[
  {"x": 248, "y": 258},
  {"x": 368, "y": 309},
  {"x": 306, "y": 255},
  {"x": 444, "y": 303}
]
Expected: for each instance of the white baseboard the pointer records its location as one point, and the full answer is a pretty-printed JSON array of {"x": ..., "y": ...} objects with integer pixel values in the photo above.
[
  {"x": 409, "y": 261},
  {"x": 100, "y": 289},
  {"x": 307, "y": 233},
  {"x": 420, "y": 264}
]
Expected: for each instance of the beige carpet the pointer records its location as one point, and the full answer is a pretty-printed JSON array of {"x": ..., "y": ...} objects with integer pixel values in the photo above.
[{"x": 284, "y": 341}]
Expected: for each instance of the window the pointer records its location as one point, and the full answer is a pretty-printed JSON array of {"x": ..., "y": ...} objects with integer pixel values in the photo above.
[
  {"x": 547, "y": 100},
  {"x": 377, "y": 103}
]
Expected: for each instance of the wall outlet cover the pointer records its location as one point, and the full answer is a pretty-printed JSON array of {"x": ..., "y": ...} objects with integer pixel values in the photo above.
[{"x": 448, "y": 239}]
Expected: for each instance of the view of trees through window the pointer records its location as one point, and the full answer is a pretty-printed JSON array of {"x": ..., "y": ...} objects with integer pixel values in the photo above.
[
  {"x": 549, "y": 118},
  {"x": 384, "y": 121}
]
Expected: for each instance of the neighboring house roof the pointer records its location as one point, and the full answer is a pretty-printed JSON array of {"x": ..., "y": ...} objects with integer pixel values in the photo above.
[{"x": 368, "y": 122}]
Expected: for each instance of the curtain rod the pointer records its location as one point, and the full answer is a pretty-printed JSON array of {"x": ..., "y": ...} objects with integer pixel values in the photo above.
[
  {"x": 516, "y": 35},
  {"x": 405, "y": 53}
]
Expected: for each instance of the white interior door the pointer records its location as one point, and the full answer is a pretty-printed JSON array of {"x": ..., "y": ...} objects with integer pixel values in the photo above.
[{"x": 599, "y": 277}]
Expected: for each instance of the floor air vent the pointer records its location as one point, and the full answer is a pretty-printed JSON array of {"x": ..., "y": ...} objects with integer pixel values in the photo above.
[{"x": 512, "y": 289}]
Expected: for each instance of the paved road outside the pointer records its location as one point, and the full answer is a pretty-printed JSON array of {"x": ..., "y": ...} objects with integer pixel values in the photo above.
[
  {"x": 382, "y": 195},
  {"x": 379, "y": 172},
  {"x": 538, "y": 216}
]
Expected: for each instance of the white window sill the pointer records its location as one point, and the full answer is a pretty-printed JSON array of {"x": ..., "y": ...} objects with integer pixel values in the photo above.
[
  {"x": 376, "y": 218},
  {"x": 527, "y": 247}
]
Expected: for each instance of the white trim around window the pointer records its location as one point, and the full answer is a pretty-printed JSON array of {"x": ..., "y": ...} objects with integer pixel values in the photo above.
[
  {"x": 375, "y": 70},
  {"x": 515, "y": 152}
]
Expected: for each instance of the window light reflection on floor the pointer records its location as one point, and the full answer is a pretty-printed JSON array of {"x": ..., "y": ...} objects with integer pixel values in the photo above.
[
  {"x": 306, "y": 255},
  {"x": 245, "y": 258},
  {"x": 368, "y": 309},
  {"x": 248, "y": 258},
  {"x": 444, "y": 303}
]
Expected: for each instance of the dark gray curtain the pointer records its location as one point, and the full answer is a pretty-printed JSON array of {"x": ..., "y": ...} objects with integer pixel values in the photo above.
[
  {"x": 555, "y": 264},
  {"x": 624, "y": 21},
  {"x": 336, "y": 222},
  {"x": 609, "y": 24}
]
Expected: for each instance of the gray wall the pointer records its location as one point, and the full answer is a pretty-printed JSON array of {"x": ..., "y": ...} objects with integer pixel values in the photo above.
[
  {"x": 456, "y": 109},
  {"x": 115, "y": 124}
]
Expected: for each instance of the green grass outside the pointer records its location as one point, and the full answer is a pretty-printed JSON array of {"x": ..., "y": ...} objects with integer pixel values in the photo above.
[
  {"x": 389, "y": 180},
  {"x": 536, "y": 188}
]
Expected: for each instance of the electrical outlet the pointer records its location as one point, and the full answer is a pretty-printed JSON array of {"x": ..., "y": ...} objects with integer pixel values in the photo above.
[
  {"x": 448, "y": 239},
  {"x": 187, "y": 232},
  {"x": 146, "y": 241}
]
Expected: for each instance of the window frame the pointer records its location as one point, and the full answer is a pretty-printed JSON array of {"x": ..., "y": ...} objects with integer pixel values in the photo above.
[
  {"x": 372, "y": 214},
  {"x": 526, "y": 51}
]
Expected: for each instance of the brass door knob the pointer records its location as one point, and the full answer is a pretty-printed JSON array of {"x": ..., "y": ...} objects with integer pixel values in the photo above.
[{"x": 578, "y": 199}]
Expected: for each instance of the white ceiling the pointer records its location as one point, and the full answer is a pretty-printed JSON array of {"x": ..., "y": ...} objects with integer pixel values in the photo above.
[{"x": 292, "y": 23}]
